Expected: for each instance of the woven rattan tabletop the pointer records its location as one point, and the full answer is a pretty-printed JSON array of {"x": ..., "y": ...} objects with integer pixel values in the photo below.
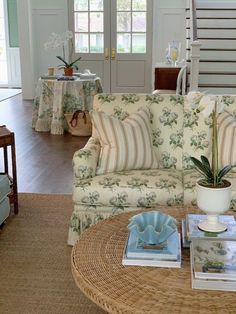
[{"x": 98, "y": 272}]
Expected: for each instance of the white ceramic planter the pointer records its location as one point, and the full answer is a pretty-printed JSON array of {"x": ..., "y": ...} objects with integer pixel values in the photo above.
[{"x": 213, "y": 201}]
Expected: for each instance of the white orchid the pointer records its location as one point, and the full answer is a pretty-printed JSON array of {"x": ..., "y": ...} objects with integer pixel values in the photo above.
[
  {"x": 68, "y": 35},
  {"x": 209, "y": 105},
  {"x": 193, "y": 99},
  {"x": 56, "y": 41}
]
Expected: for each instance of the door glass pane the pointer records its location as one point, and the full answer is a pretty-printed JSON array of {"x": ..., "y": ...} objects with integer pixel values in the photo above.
[
  {"x": 139, "y": 5},
  {"x": 123, "y": 5},
  {"x": 81, "y": 5},
  {"x": 88, "y": 22},
  {"x": 138, "y": 43},
  {"x": 123, "y": 43},
  {"x": 96, "y": 5},
  {"x": 81, "y": 43},
  {"x": 81, "y": 22},
  {"x": 96, "y": 43},
  {"x": 96, "y": 22},
  {"x": 123, "y": 22},
  {"x": 139, "y": 22},
  {"x": 131, "y": 18}
]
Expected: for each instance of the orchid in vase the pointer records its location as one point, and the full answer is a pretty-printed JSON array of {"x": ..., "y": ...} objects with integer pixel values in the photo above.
[
  {"x": 64, "y": 40},
  {"x": 213, "y": 192},
  {"x": 209, "y": 105}
]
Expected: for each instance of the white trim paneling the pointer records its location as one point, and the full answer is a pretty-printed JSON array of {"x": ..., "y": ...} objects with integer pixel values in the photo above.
[{"x": 14, "y": 73}]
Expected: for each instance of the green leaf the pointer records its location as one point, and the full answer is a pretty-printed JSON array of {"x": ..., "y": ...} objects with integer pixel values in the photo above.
[
  {"x": 206, "y": 162},
  {"x": 60, "y": 58},
  {"x": 206, "y": 172},
  {"x": 223, "y": 172},
  {"x": 72, "y": 63},
  {"x": 69, "y": 65}
]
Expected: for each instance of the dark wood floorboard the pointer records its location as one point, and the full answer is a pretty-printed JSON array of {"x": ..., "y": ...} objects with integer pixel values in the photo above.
[{"x": 44, "y": 161}]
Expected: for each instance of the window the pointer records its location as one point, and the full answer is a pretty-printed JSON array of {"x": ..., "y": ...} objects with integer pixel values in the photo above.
[
  {"x": 131, "y": 26},
  {"x": 89, "y": 26}
]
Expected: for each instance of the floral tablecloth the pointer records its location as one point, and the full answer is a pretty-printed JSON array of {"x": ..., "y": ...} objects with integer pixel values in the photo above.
[{"x": 54, "y": 98}]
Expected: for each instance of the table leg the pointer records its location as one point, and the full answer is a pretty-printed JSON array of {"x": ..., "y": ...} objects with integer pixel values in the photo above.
[
  {"x": 14, "y": 176},
  {"x": 5, "y": 159}
]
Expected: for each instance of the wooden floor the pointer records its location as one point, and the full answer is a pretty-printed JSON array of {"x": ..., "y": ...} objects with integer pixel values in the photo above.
[{"x": 44, "y": 161}]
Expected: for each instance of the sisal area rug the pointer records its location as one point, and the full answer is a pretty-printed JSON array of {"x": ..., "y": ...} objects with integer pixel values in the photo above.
[
  {"x": 8, "y": 92},
  {"x": 35, "y": 271}
]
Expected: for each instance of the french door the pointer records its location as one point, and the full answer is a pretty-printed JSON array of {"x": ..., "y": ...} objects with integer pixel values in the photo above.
[{"x": 114, "y": 40}]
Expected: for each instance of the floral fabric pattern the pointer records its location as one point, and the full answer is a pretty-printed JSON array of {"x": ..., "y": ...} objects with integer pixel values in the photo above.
[
  {"x": 85, "y": 161},
  {"x": 166, "y": 120},
  {"x": 54, "y": 98},
  {"x": 137, "y": 187},
  {"x": 167, "y": 126},
  {"x": 197, "y": 132},
  {"x": 177, "y": 134}
]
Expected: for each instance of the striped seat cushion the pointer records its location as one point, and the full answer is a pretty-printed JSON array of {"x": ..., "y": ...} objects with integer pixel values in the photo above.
[
  {"x": 125, "y": 144},
  {"x": 227, "y": 139}
]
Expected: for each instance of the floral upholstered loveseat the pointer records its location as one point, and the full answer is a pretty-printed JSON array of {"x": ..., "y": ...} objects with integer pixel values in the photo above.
[{"x": 177, "y": 134}]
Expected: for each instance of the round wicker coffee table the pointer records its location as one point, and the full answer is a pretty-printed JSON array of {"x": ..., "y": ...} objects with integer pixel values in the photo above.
[{"x": 98, "y": 272}]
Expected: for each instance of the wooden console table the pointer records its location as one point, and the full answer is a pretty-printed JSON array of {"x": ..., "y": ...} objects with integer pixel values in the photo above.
[
  {"x": 99, "y": 273},
  {"x": 7, "y": 138},
  {"x": 166, "y": 76}
]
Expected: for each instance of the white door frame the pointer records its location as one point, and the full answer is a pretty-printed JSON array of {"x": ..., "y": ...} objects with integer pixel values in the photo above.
[{"x": 12, "y": 56}]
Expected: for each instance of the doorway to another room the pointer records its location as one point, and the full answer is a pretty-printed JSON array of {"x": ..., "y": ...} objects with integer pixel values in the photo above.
[
  {"x": 3, "y": 52},
  {"x": 10, "y": 76}
]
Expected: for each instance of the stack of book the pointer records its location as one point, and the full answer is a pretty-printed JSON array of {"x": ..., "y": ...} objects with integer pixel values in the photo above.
[
  {"x": 137, "y": 253},
  {"x": 213, "y": 264},
  {"x": 191, "y": 231},
  {"x": 212, "y": 255}
]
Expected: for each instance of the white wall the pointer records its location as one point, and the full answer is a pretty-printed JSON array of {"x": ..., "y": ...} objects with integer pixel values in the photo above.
[
  {"x": 168, "y": 25},
  {"x": 47, "y": 16},
  {"x": 38, "y": 18}
]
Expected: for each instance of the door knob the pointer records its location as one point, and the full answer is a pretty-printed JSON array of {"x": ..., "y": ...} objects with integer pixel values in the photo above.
[
  {"x": 113, "y": 54},
  {"x": 107, "y": 53}
]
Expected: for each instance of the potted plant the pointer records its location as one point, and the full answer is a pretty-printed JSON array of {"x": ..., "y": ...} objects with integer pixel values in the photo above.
[
  {"x": 213, "y": 191},
  {"x": 56, "y": 41},
  {"x": 68, "y": 66}
]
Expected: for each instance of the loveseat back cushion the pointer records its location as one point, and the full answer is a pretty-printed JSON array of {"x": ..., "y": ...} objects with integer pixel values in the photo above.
[
  {"x": 125, "y": 145},
  {"x": 198, "y": 129},
  {"x": 118, "y": 105},
  {"x": 197, "y": 135},
  {"x": 166, "y": 121},
  {"x": 227, "y": 139},
  {"x": 167, "y": 125}
]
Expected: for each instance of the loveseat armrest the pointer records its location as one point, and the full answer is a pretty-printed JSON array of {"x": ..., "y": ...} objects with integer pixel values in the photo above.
[{"x": 85, "y": 160}]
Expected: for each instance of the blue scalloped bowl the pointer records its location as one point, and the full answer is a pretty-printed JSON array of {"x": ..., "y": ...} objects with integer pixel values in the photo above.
[{"x": 152, "y": 227}]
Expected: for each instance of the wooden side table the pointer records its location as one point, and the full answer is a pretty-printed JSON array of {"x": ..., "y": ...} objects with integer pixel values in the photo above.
[
  {"x": 7, "y": 138},
  {"x": 166, "y": 77}
]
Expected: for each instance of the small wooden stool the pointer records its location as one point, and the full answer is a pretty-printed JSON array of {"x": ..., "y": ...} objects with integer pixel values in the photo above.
[{"x": 7, "y": 138}]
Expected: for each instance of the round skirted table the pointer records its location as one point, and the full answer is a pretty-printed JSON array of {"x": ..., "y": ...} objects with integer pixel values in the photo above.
[
  {"x": 55, "y": 97},
  {"x": 98, "y": 272}
]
